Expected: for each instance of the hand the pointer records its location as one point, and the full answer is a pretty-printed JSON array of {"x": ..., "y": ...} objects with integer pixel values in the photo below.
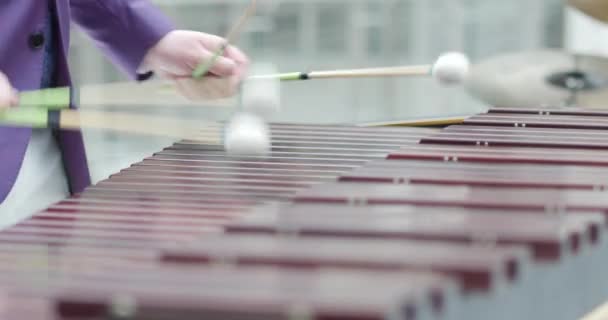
[
  {"x": 9, "y": 97},
  {"x": 177, "y": 55}
]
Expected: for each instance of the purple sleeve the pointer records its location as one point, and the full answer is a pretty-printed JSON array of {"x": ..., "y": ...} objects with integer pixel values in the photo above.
[{"x": 124, "y": 29}]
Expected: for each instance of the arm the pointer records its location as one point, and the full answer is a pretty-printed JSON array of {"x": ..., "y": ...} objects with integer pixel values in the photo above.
[{"x": 124, "y": 29}]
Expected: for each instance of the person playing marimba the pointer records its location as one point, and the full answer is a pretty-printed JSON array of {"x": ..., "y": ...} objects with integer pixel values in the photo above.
[{"x": 39, "y": 167}]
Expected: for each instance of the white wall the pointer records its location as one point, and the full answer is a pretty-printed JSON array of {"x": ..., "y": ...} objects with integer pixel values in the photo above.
[{"x": 584, "y": 34}]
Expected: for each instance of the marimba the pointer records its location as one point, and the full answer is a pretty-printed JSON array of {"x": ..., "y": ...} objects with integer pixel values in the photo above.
[{"x": 500, "y": 217}]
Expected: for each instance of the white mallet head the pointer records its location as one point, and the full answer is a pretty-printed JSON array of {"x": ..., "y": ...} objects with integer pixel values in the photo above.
[
  {"x": 247, "y": 134},
  {"x": 262, "y": 96},
  {"x": 451, "y": 68}
]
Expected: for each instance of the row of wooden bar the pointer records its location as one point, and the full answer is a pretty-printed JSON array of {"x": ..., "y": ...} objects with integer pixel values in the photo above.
[{"x": 502, "y": 217}]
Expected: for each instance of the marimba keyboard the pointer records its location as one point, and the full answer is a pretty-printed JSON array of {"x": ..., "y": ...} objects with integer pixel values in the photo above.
[{"x": 502, "y": 217}]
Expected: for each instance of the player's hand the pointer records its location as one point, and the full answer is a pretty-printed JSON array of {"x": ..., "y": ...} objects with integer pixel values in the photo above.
[
  {"x": 8, "y": 95},
  {"x": 177, "y": 55}
]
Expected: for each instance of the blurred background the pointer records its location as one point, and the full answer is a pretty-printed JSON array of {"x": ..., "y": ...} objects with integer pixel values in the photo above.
[{"x": 298, "y": 35}]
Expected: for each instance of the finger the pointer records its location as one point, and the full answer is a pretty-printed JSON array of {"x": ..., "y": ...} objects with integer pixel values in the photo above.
[
  {"x": 231, "y": 62},
  {"x": 5, "y": 101},
  {"x": 237, "y": 55},
  {"x": 210, "y": 41},
  {"x": 213, "y": 43},
  {"x": 14, "y": 100},
  {"x": 221, "y": 66},
  {"x": 8, "y": 101},
  {"x": 242, "y": 61},
  {"x": 7, "y": 93}
]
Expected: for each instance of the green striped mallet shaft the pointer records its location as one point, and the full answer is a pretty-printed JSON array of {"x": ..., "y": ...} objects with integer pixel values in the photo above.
[
  {"x": 34, "y": 107},
  {"x": 30, "y": 117},
  {"x": 51, "y": 98},
  {"x": 69, "y": 119}
]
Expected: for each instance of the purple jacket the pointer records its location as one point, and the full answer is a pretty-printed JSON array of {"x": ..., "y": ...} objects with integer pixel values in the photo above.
[{"x": 123, "y": 29}]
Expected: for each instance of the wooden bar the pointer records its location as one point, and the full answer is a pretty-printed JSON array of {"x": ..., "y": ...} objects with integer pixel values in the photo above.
[
  {"x": 246, "y": 293},
  {"x": 490, "y": 175},
  {"x": 502, "y": 155},
  {"x": 540, "y": 121},
  {"x": 549, "y": 238},
  {"x": 552, "y": 111},
  {"x": 478, "y": 268},
  {"x": 521, "y": 137},
  {"x": 544, "y": 200}
]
